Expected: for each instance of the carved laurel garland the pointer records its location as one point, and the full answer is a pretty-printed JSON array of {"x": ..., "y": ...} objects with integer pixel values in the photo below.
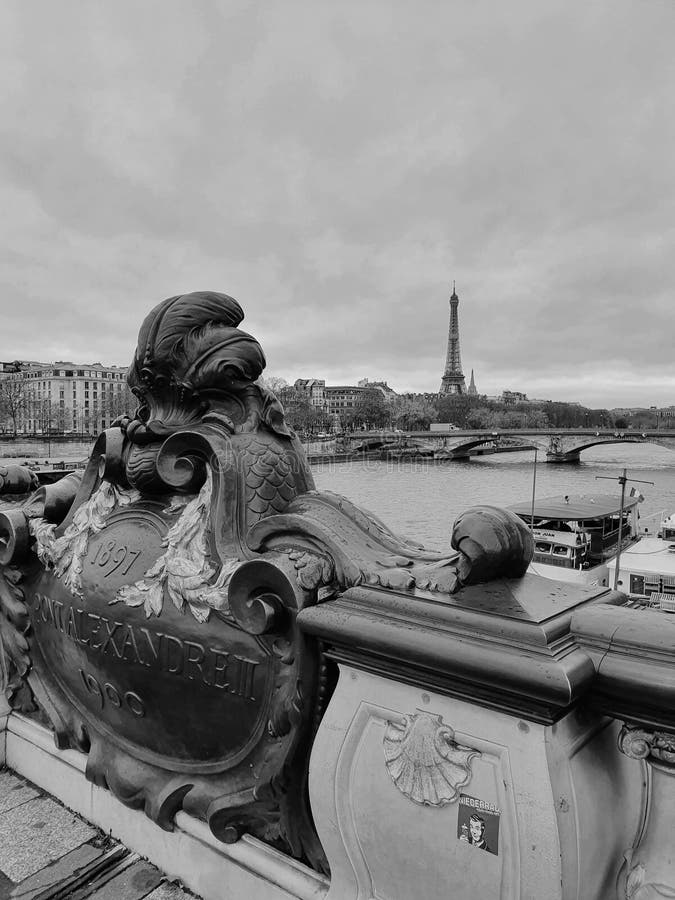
[
  {"x": 424, "y": 761},
  {"x": 65, "y": 554},
  {"x": 183, "y": 569}
]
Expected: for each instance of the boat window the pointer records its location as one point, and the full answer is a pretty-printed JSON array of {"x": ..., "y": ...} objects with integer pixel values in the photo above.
[
  {"x": 559, "y": 550},
  {"x": 637, "y": 584},
  {"x": 542, "y": 547}
]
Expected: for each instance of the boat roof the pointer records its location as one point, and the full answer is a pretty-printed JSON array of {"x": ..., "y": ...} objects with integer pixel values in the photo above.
[
  {"x": 574, "y": 506},
  {"x": 647, "y": 556}
]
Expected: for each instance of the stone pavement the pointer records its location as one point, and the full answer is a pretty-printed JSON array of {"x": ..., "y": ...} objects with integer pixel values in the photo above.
[{"x": 49, "y": 853}]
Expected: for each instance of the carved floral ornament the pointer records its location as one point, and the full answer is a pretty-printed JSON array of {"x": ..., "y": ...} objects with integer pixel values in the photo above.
[
  {"x": 174, "y": 568},
  {"x": 424, "y": 760}
]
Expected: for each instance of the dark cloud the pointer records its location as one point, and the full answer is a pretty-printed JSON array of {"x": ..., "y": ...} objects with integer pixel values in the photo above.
[{"x": 334, "y": 167}]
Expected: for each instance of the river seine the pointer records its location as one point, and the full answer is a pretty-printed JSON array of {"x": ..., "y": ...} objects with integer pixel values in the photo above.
[{"x": 421, "y": 500}]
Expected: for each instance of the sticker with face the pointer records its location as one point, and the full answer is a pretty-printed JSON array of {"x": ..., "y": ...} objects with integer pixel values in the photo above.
[{"x": 478, "y": 823}]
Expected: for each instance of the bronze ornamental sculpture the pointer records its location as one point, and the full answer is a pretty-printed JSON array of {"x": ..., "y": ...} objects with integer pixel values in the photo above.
[{"x": 150, "y": 605}]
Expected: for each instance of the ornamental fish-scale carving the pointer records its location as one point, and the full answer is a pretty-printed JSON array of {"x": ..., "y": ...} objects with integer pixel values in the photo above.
[
  {"x": 424, "y": 761},
  {"x": 270, "y": 482}
]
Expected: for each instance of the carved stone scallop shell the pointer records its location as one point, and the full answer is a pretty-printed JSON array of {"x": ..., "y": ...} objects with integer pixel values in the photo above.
[{"x": 424, "y": 761}]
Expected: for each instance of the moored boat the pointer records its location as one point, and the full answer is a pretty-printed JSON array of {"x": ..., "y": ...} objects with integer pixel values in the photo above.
[
  {"x": 577, "y": 536},
  {"x": 647, "y": 569}
]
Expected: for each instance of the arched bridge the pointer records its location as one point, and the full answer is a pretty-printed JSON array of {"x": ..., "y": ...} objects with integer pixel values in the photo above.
[{"x": 558, "y": 446}]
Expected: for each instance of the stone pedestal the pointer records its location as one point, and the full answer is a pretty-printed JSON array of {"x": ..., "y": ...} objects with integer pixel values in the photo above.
[{"x": 399, "y": 765}]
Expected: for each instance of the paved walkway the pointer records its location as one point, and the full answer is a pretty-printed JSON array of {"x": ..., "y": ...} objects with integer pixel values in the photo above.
[{"x": 49, "y": 853}]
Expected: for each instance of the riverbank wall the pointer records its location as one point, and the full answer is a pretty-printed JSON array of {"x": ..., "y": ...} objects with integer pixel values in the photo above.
[{"x": 62, "y": 446}]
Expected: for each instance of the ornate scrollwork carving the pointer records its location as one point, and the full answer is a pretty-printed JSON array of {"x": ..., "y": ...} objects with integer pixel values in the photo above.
[
  {"x": 194, "y": 367},
  {"x": 338, "y": 544},
  {"x": 17, "y": 480},
  {"x": 424, "y": 761},
  {"x": 638, "y": 743},
  {"x": 194, "y": 685}
]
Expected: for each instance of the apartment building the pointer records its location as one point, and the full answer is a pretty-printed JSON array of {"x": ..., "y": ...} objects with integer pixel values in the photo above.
[
  {"x": 36, "y": 398},
  {"x": 313, "y": 390}
]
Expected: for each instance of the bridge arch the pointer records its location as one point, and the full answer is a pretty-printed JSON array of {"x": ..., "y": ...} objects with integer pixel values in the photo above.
[
  {"x": 568, "y": 451},
  {"x": 461, "y": 449}
]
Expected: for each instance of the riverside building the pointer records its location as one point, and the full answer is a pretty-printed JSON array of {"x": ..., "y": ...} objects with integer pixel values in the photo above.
[{"x": 63, "y": 397}]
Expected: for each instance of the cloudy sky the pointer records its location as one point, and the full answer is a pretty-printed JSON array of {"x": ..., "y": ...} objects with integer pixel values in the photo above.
[{"x": 334, "y": 166}]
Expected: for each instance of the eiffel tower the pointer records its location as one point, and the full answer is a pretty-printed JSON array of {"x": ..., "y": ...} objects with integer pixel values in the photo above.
[{"x": 452, "y": 381}]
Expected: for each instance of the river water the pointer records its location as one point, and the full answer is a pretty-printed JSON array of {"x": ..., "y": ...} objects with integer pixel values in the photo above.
[{"x": 421, "y": 500}]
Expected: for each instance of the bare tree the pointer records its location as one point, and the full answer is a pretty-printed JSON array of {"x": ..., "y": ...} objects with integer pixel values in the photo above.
[
  {"x": 273, "y": 383},
  {"x": 118, "y": 402},
  {"x": 13, "y": 400}
]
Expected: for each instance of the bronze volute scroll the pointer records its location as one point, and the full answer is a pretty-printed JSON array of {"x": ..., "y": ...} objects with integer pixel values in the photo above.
[{"x": 152, "y": 602}]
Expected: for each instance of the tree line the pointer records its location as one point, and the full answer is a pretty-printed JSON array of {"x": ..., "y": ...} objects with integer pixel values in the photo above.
[
  {"x": 416, "y": 412},
  {"x": 407, "y": 412}
]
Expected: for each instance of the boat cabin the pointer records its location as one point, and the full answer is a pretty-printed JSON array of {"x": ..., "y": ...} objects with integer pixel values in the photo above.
[
  {"x": 579, "y": 531},
  {"x": 667, "y": 530},
  {"x": 647, "y": 570}
]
